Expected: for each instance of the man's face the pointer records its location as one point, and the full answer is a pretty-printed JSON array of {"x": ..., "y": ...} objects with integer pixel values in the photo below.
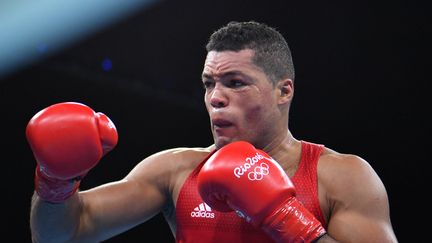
[{"x": 240, "y": 99}]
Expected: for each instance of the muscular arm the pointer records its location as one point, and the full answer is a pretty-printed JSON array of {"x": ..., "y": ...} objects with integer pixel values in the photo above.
[
  {"x": 102, "y": 212},
  {"x": 54, "y": 222},
  {"x": 359, "y": 208}
]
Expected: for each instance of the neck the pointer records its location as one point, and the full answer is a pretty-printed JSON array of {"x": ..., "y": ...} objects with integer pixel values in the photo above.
[{"x": 286, "y": 150}]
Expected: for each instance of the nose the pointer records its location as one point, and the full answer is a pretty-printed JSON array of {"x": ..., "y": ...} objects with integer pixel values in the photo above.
[{"x": 218, "y": 98}]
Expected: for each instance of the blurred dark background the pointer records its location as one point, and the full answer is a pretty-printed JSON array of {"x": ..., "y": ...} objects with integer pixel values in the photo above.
[{"x": 361, "y": 87}]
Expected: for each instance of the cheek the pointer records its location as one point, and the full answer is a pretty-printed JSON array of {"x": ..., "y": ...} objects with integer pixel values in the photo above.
[
  {"x": 254, "y": 114},
  {"x": 206, "y": 102},
  {"x": 259, "y": 113}
]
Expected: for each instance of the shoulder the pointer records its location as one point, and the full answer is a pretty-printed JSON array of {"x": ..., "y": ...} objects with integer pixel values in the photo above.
[
  {"x": 179, "y": 157},
  {"x": 332, "y": 162},
  {"x": 167, "y": 165},
  {"x": 352, "y": 196},
  {"x": 347, "y": 177}
]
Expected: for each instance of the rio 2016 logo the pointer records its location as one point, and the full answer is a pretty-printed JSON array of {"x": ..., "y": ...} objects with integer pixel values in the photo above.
[{"x": 258, "y": 172}]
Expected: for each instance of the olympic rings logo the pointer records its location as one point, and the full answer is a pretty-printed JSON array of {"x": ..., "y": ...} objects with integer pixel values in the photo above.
[
  {"x": 259, "y": 172},
  {"x": 249, "y": 162}
]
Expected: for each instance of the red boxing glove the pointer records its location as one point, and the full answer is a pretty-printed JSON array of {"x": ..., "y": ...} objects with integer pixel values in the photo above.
[
  {"x": 242, "y": 178},
  {"x": 67, "y": 139}
]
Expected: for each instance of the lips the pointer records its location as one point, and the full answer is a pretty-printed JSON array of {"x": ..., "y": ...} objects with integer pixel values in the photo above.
[{"x": 221, "y": 123}]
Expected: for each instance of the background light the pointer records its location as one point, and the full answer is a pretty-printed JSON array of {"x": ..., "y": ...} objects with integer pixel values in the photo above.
[{"x": 29, "y": 25}]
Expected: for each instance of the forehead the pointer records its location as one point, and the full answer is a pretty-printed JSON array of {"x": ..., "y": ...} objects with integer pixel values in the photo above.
[{"x": 218, "y": 63}]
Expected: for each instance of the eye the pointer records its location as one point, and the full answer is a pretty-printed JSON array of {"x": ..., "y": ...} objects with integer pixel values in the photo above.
[
  {"x": 207, "y": 84},
  {"x": 235, "y": 83}
]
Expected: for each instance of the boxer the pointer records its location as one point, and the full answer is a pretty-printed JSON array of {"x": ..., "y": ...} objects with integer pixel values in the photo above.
[{"x": 255, "y": 183}]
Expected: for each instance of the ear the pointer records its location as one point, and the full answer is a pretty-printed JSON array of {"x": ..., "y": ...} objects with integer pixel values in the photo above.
[{"x": 285, "y": 88}]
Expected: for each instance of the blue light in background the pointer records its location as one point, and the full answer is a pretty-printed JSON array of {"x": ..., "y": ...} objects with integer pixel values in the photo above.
[
  {"x": 51, "y": 25},
  {"x": 106, "y": 64},
  {"x": 42, "y": 48}
]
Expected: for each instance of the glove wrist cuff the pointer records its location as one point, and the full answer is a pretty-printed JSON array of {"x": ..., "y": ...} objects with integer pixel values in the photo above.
[
  {"x": 54, "y": 190},
  {"x": 292, "y": 222}
]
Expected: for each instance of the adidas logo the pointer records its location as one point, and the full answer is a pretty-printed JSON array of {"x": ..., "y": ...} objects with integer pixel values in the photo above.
[{"x": 202, "y": 211}]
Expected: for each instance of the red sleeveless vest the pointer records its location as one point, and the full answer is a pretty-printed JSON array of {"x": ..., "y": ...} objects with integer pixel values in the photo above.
[{"x": 197, "y": 222}]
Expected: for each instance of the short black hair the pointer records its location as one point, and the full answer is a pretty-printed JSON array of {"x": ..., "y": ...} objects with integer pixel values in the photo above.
[{"x": 272, "y": 52}]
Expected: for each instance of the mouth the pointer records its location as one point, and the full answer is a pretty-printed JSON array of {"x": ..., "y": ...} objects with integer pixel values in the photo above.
[{"x": 221, "y": 123}]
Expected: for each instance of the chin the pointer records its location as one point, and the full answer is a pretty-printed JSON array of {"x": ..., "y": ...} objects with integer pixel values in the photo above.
[{"x": 220, "y": 142}]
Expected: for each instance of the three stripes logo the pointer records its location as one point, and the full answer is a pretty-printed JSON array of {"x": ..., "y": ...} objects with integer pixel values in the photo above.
[{"x": 202, "y": 211}]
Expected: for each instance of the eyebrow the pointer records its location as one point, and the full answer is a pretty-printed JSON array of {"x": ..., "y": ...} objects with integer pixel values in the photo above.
[{"x": 231, "y": 73}]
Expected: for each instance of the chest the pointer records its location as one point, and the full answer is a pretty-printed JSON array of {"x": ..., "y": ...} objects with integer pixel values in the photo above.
[{"x": 195, "y": 221}]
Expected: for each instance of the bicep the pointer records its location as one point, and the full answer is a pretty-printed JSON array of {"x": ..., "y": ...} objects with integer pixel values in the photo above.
[
  {"x": 115, "y": 207},
  {"x": 361, "y": 209},
  {"x": 357, "y": 225}
]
